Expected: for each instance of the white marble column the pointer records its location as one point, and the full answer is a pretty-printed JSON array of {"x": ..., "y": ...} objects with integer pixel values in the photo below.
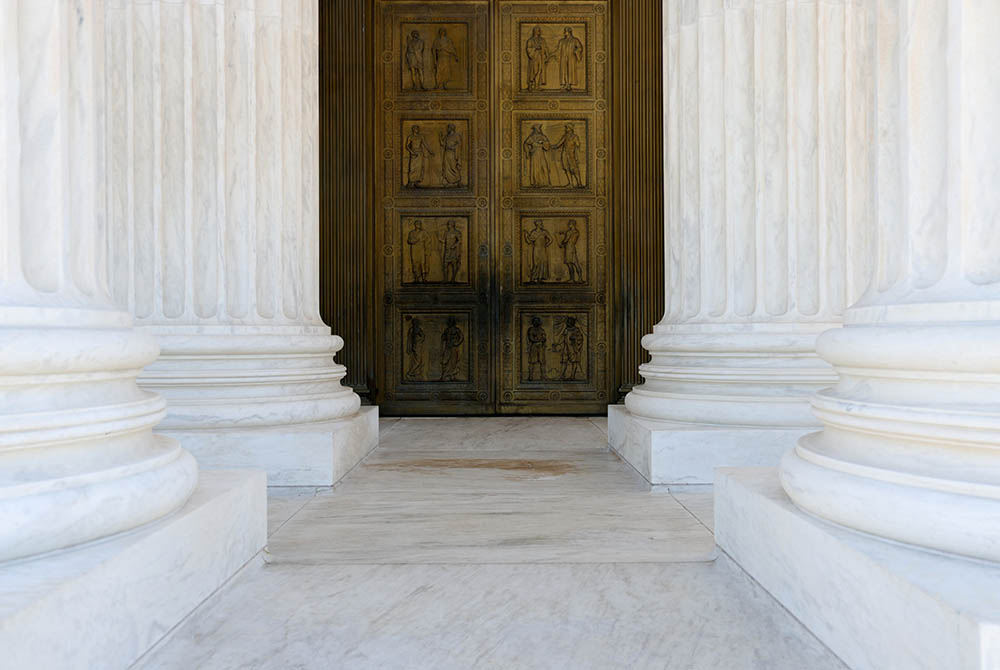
[
  {"x": 215, "y": 106},
  {"x": 910, "y": 448},
  {"x": 78, "y": 458},
  {"x": 769, "y": 190}
]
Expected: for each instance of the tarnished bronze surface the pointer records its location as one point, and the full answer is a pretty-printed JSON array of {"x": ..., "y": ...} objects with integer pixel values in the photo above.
[{"x": 492, "y": 248}]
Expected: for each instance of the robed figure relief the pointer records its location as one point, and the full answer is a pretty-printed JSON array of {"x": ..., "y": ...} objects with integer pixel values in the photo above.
[
  {"x": 417, "y": 152},
  {"x": 569, "y": 156},
  {"x": 536, "y": 153},
  {"x": 570, "y": 51},
  {"x": 451, "y": 345},
  {"x": 415, "y": 60},
  {"x": 570, "y": 347},
  {"x": 538, "y": 57},
  {"x": 415, "y": 350},
  {"x": 445, "y": 57},
  {"x": 536, "y": 349},
  {"x": 570, "y": 237},
  {"x": 451, "y": 167},
  {"x": 539, "y": 240},
  {"x": 416, "y": 239},
  {"x": 451, "y": 255}
]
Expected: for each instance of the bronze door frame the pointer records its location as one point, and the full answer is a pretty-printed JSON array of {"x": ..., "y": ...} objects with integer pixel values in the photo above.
[
  {"x": 460, "y": 344},
  {"x": 352, "y": 250}
]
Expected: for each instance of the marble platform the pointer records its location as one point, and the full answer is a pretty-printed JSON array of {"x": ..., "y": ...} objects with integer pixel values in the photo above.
[
  {"x": 306, "y": 454},
  {"x": 878, "y": 605},
  {"x": 104, "y": 604},
  {"x": 492, "y": 543},
  {"x": 682, "y": 453}
]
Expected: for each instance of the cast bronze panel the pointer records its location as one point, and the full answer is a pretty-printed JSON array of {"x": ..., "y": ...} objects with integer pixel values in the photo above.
[
  {"x": 554, "y": 250},
  {"x": 367, "y": 88},
  {"x": 491, "y": 140},
  {"x": 436, "y": 250},
  {"x": 554, "y": 153},
  {"x": 553, "y": 170},
  {"x": 553, "y": 57},
  {"x": 435, "y": 153},
  {"x": 435, "y": 57},
  {"x": 435, "y": 347},
  {"x": 554, "y": 347},
  {"x": 434, "y": 216}
]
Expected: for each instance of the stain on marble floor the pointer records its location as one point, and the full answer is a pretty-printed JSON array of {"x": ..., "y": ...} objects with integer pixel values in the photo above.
[{"x": 491, "y": 543}]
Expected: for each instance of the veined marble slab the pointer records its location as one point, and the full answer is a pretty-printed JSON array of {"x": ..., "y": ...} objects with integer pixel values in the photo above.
[
  {"x": 104, "y": 604},
  {"x": 704, "y": 616},
  {"x": 303, "y": 454},
  {"x": 548, "y": 433},
  {"x": 878, "y": 605},
  {"x": 667, "y": 452},
  {"x": 418, "y": 505}
]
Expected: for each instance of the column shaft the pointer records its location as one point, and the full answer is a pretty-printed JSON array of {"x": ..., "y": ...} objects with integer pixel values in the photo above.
[
  {"x": 218, "y": 121},
  {"x": 909, "y": 445},
  {"x": 78, "y": 457},
  {"x": 763, "y": 253}
]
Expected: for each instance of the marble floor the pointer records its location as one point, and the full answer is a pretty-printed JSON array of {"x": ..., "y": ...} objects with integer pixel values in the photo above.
[{"x": 491, "y": 543}]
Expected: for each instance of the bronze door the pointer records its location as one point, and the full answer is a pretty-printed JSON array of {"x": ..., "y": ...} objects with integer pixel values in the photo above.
[{"x": 491, "y": 176}]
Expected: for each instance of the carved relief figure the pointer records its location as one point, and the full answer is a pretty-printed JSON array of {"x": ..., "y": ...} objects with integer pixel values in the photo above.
[
  {"x": 569, "y": 346},
  {"x": 451, "y": 345},
  {"x": 445, "y": 54},
  {"x": 536, "y": 151},
  {"x": 416, "y": 150},
  {"x": 415, "y": 59},
  {"x": 451, "y": 255},
  {"x": 538, "y": 57},
  {"x": 538, "y": 239},
  {"x": 417, "y": 241},
  {"x": 570, "y": 237},
  {"x": 415, "y": 350},
  {"x": 451, "y": 168},
  {"x": 536, "y": 349},
  {"x": 569, "y": 156},
  {"x": 570, "y": 50}
]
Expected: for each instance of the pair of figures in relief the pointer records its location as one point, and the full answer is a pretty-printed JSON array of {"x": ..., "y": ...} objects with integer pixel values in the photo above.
[
  {"x": 443, "y": 55},
  {"x": 451, "y": 346},
  {"x": 418, "y": 152},
  {"x": 569, "y": 345},
  {"x": 539, "y": 238},
  {"x": 450, "y": 246},
  {"x": 569, "y": 52},
  {"x": 538, "y": 167}
]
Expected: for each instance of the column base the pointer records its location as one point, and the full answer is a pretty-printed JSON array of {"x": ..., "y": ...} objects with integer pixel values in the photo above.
[
  {"x": 305, "y": 454},
  {"x": 104, "y": 604},
  {"x": 682, "y": 453},
  {"x": 876, "y": 604}
]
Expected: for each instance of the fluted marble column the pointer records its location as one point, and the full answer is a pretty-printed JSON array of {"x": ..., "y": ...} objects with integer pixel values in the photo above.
[
  {"x": 763, "y": 254},
  {"x": 769, "y": 190},
  {"x": 910, "y": 448},
  {"x": 78, "y": 458},
  {"x": 215, "y": 107}
]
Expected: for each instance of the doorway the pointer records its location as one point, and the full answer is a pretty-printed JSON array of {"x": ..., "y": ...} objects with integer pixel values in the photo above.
[
  {"x": 467, "y": 181},
  {"x": 492, "y": 160}
]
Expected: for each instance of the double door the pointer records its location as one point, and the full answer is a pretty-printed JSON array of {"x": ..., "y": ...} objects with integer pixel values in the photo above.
[{"x": 492, "y": 164}]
